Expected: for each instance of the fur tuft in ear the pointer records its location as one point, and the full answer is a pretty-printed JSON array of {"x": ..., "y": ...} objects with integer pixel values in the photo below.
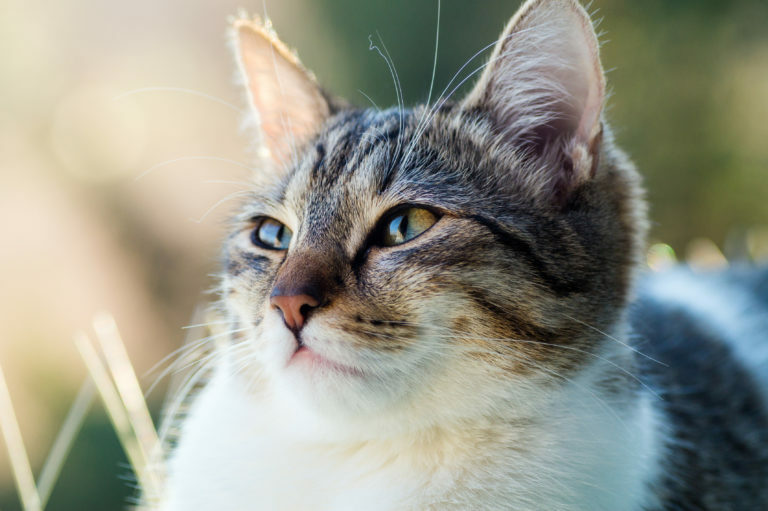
[
  {"x": 288, "y": 103},
  {"x": 544, "y": 87}
]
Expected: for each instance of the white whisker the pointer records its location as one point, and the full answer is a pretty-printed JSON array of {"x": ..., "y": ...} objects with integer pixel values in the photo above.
[
  {"x": 370, "y": 100},
  {"x": 398, "y": 92},
  {"x": 207, "y": 323},
  {"x": 434, "y": 63},
  {"x": 240, "y": 193},
  {"x": 191, "y": 158},
  {"x": 182, "y": 354},
  {"x": 181, "y": 90},
  {"x": 616, "y": 340}
]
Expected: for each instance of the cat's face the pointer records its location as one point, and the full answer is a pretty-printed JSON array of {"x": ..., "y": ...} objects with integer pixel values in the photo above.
[{"x": 440, "y": 258}]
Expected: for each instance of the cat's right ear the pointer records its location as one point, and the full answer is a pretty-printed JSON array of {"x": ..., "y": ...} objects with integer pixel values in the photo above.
[
  {"x": 544, "y": 88},
  {"x": 287, "y": 102}
]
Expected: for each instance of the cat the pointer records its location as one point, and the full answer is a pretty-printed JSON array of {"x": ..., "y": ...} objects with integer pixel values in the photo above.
[{"x": 444, "y": 307}]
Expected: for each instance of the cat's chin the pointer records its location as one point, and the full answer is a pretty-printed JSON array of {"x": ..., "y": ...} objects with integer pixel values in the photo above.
[
  {"x": 316, "y": 364},
  {"x": 322, "y": 374},
  {"x": 313, "y": 381}
]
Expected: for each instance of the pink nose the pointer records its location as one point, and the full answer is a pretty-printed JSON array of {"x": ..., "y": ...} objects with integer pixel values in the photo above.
[{"x": 294, "y": 309}]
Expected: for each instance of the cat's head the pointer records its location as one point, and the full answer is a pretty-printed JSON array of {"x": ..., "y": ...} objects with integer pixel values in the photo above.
[{"x": 440, "y": 258}]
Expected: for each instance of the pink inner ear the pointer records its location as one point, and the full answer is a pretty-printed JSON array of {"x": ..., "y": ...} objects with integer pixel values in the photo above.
[
  {"x": 289, "y": 115},
  {"x": 544, "y": 84},
  {"x": 591, "y": 73},
  {"x": 590, "y": 118},
  {"x": 288, "y": 102},
  {"x": 545, "y": 74}
]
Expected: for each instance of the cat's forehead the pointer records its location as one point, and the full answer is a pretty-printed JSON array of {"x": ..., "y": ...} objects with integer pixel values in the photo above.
[
  {"x": 440, "y": 157},
  {"x": 366, "y": 162},
  {"x": 354, "y": 161}
]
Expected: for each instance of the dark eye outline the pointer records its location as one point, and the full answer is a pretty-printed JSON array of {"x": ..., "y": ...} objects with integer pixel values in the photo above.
[
  {"x": 259, "y": 223},
  {"x": 371, "y": 241},
  {"x": 383, "y": 224}
]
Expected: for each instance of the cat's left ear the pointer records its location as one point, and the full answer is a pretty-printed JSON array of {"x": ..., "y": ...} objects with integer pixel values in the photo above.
[
  {"x": 544, "y": 87},
  {"x": 286, "y": 99}
]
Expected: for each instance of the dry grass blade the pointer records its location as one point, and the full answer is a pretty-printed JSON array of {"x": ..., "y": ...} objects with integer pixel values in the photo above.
[
  {"x": 64, "y": 440},
  {"x": 22, "y": 471},
  {"x": 127, "y": 385},
  {"x": 116, "y": 411}
]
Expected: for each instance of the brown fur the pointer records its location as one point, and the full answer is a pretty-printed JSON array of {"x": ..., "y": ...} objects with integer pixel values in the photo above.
[{"x": 499, "y": 337}]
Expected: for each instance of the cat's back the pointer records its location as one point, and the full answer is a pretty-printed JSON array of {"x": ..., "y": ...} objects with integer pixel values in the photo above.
[
  {"x": 707, "y": 334},
  {"x": 727, "y": 307}
]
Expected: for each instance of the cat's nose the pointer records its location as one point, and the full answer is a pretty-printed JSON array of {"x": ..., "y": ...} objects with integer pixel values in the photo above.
[
  {"x": 303, "y": 284},
  {"x": 294, "y": 308}
]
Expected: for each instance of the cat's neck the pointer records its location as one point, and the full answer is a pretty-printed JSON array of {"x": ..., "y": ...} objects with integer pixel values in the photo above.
[{"x": 581, "y": 438}]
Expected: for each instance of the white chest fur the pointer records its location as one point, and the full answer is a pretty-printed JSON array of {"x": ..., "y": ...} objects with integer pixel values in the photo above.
[
  {"x": 236, "y": 456},
  {"x": 579, "y": 452}
]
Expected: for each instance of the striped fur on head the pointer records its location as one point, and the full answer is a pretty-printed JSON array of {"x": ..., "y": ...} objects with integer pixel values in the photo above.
[{"x": 541, "y": 223}]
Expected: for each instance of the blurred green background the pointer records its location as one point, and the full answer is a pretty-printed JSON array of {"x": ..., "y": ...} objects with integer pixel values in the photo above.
[{"x": 78, "y": 126}]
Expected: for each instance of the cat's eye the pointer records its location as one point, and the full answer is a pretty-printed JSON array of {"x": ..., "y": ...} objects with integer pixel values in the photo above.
[
  {"x": 271, "y": 234},
  {"x": 404, "y": 225}
]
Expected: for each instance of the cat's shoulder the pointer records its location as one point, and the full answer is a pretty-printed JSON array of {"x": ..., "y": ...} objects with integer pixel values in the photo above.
[
  {"x": 720, "y": 312},
  {"x": 705, "y": 341}
]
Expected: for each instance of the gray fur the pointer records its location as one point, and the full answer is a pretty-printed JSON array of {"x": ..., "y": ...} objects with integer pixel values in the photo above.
[{"x": 540, "y": 237}]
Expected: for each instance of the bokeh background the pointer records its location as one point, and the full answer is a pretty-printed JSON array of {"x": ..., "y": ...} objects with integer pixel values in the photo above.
[{"x": 108, "y": 178}]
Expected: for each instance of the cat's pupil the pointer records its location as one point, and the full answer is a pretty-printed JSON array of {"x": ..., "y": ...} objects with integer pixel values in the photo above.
[
  {"x": 407, "y": 225},
  {"x": 399, "y": 227},
  {"x": 272, "y": 234}
]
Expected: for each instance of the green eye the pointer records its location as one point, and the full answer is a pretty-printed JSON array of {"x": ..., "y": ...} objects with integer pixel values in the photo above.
[
  {"x": 406, "y": 225},
  {"x": 271, "y": 234}
]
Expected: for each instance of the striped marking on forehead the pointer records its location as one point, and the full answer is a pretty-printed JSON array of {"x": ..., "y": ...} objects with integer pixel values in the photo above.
[
  {"x": 350, "y": 140},
  {"x": 339, "y": 177}
]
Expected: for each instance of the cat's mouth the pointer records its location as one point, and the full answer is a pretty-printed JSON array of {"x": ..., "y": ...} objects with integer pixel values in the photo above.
[{"x": 308, "y": 358}]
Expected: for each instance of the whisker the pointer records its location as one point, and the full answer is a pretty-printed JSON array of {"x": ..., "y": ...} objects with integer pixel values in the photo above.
[
  {"x": 616, "y": 340},
  {"x": 398, "y": 92},
  {"x": 443, "y": 98},
  {"x": 439, "y": 104},
  {"x": 191, "y": 344},
  {"x": 434, "y": 63},
  {"x": 171, "y": 409},
  {"x": 239, "y": 193},
  {"x": 535, "y": 365},
  {"x": 572, "y": 348},
  {"x": 226, "y": 182},
  {"x": 177, "y": 352},
  {"x": 207, "y": 323},
  {"x": 429, "y": 110},
  {"x": 450, "y": 335},
  {"x": 432, "y": 81},
  {"x": 370, "y": 100},
  {"x": 191, "y": 158},
  {"x": 181, "y": 90},
  {"x": 182, "y": 353},
  {"x": 175, "y": 400},
  {"x": 197, "y": 361}
]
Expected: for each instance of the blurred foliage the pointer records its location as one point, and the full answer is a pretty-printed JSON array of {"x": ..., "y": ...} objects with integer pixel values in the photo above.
[
  {"x": 689, "y": 83},
  {"x": 96, "y": 476}
]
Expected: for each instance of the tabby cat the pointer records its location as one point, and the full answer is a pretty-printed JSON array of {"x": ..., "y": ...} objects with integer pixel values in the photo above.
[{"x": 441, "y": 308}]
